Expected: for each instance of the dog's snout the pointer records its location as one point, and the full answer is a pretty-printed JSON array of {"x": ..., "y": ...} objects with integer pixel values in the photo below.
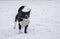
[{"x": 26, "y": 16}]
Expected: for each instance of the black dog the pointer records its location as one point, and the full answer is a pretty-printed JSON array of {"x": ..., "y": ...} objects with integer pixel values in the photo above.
[{"x": 23, "y": 18}]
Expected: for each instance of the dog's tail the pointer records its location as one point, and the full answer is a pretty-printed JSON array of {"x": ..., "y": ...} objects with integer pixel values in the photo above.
[{"x": 20, "y": 9}]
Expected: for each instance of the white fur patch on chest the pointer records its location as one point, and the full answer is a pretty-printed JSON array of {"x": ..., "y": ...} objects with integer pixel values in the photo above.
[{"x": 24, "y": 22}]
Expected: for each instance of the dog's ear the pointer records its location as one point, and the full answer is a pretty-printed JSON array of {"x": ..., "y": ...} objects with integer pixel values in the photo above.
[{"x": 29, "y": 11}]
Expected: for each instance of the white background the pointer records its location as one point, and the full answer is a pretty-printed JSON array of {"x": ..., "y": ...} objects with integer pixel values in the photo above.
[{"x": 44, "y": 19}]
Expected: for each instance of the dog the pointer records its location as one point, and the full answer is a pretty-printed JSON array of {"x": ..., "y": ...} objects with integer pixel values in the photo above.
[{"x": 23, "y": 18}]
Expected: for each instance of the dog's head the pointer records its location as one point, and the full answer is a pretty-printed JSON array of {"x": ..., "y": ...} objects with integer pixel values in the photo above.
[{"x": 25, "y": 15}]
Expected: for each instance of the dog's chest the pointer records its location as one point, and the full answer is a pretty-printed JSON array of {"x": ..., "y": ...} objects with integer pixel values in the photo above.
[{"x": 24, "y": 22}]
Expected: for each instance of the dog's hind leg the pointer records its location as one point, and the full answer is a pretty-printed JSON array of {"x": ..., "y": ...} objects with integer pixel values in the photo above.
[
  {"x": 25, "y": 31},
  {"x": 15, "y": 22},
  {"x": 15, "y": 25}
]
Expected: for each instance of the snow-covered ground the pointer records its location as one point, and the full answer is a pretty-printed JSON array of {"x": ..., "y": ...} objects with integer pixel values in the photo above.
[{"x": 44, "y": 23}]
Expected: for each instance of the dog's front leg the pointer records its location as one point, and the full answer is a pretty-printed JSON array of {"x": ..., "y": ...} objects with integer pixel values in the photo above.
[{"x": 25, "y": 31}]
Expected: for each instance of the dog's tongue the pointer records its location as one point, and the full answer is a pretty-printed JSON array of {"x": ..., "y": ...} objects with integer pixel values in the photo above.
[{"x": 26, "y": 9}]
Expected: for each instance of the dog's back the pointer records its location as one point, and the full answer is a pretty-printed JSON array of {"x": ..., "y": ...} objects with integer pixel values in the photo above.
[{"x": 18, "y": 16}]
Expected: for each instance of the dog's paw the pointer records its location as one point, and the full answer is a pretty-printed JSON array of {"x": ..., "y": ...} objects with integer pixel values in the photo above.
[{"x": 25, "y": 32}]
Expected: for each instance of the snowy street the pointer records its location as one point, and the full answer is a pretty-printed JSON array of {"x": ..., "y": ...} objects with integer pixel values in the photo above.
[{"x": 44, "y": 19}]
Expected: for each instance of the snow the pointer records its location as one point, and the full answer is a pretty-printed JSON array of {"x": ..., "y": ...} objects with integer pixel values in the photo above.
[
  {"x": 44, "y": 20},
  {"x": 26, "y": 9}
]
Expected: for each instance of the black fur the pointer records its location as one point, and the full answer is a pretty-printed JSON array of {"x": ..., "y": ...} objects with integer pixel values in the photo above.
[
  {"x": 25, "y": 29},
  {"x": 22, "y": 15},
  {"x": 19, "y": 26}
]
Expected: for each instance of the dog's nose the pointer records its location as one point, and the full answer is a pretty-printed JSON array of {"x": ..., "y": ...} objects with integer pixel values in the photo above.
[{"x": 26, "y": 16}]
